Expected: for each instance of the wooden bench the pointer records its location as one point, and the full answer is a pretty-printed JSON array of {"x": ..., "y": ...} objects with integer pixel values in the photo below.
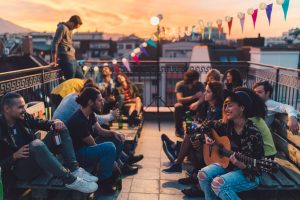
[
  {"x": 131, "y": 133},
  {"x": 46, "y": 185},
  {"x": 284, "y": 184}
]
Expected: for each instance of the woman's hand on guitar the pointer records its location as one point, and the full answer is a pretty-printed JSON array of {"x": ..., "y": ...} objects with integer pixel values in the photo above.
[
  {"x": 208, "y": 140},
  {"x": 196, "y": 143},
  {"x": 236, "y": 162}
]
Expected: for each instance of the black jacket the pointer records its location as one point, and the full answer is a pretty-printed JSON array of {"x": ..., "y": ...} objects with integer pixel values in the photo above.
[{"x": 8, "y": 146}]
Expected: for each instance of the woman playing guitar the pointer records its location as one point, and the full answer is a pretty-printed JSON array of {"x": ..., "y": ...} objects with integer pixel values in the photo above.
[{"x": 245, "y": 138}]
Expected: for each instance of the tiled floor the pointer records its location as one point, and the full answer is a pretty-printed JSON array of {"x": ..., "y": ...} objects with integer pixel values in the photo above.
[{"x": 150, "y": 183}]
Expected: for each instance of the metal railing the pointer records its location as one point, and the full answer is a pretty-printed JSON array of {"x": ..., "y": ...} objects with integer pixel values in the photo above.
[
  {"x": 34, "y": 84},
  {"x": 37, "y": 83}
]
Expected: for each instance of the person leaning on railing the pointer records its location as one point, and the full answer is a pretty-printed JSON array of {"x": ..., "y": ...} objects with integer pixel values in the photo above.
[
  {"x": 264, "y": 90},
  {"x": 25, "y": 157},
  {"x": 62, "y": 49}
]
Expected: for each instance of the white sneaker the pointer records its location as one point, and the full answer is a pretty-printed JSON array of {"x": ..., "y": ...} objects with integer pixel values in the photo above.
[
  {"x": 83, "y": 186},
  {"x": 81, "y": 173}
]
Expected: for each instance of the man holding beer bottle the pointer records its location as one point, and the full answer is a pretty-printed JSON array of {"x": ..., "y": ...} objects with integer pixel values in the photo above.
[{"x": 25, "y": 157}]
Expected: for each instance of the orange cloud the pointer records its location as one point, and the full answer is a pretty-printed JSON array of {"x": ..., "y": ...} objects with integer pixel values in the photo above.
[{"x": 128, "y": 16}]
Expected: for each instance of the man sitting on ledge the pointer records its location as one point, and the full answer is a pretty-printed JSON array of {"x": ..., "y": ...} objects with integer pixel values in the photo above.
[
  {"x": 264, "y": 90},
  {"x": 24, "y": 157},
  {"x": 188, "y": 92}
]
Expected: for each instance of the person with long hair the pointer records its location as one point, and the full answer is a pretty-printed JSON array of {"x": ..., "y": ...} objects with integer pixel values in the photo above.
[
  {"x": 84, "y": 130},
  {"x": 212, "y": 75},
  {"x": 213, "y": 96},
  {"x": 245, "y": 138},
  {"x": 233, "y": 79},
  {"x": 259, "y": 113},
  {"x": 131, "y": 98}
]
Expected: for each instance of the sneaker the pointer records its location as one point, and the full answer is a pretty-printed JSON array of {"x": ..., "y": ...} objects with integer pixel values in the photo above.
[
  {"x": 168, "y": 149},
  {"x": 190, "y": 180},
  {"x": 134, "y": 159},
  {"x": 193, "y": 192},
  {"x": 175, "y": 168},
  {"x": 81, "y": 173},
  {"x": 83, "y": 186}
]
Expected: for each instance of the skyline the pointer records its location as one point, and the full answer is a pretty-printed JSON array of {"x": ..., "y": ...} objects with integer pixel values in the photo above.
[{"x": 133, "y": 16}]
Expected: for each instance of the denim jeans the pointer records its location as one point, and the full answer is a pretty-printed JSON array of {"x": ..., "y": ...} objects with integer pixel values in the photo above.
[
  {"x": 229, "y": 182},
  {"x": 41, "y": 158},
  {"x": 70, "y": 68},
  {"x": 118, "y": 144},
  {"x": 104, "y": 154}
]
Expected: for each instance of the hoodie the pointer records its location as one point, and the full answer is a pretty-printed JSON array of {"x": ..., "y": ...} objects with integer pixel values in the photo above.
[{"x": 62, "y": 42}]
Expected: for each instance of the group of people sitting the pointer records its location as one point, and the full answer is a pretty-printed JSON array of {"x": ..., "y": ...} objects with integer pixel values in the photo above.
[
  {"x": 243, "y": 115},
  {"x": 77, "y": 131}
]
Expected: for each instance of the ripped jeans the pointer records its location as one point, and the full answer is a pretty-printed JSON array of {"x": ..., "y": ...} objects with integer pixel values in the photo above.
[{"x": 215, "y": 181}]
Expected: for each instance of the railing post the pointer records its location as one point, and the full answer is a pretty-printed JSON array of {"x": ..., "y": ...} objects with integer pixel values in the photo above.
[{"x": 276, "y": 84}]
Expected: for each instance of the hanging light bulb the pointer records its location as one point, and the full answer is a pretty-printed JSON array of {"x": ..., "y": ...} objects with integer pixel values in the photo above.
[
  {"x": 114, "y": 61},
  {"x": 85, "y": 68},
  {"x": 137, "y": 50},
  {"x": 96, "y": 68},
  {"x": 144, "y": 44},
  {"x": 250, "y": 11}
]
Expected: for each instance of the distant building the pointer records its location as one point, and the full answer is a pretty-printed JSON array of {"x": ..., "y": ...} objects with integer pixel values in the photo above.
[
  {"x": 91, "y": 45},
  {"x": 42, "y": 43},
  {"x": 285, "y": 57},
  {"x": 126, "y": 45},
  {"x": 254, "y": 42},
  {"x": 178, "y": 50}
]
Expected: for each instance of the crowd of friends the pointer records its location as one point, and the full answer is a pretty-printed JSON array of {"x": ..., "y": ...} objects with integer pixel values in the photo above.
[
  {"x": 94, "y": 156},
  {"x": 243, "y": 115}
]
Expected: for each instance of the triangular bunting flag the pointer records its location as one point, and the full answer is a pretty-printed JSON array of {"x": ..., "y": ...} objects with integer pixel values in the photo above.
[
  {"x": 116, "y": 68},
  {"x": 285, "y": 7},
  {"x": 136, "y": 59},
  {"x": 254, "y": 16},
  {"x": 269, "y": 12},
  {"x": 230, "y": 24},
  {"x": 209, "y": 32},
  {"x": 126, "y": 64},
  {"x": 219, "y": 29},
  {"x": 145, "y": 52},
  {"x": 242, "y": 21},
  {"x": 151, "y": 43}
]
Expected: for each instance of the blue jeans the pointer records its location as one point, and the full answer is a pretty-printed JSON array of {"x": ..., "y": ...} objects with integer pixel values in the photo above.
[
  {"x": 118, "y": 144},
  {"x": 104, "y": 154},
  {"x": 215, "y": 181},
  {"x": 70, "y": 68}
]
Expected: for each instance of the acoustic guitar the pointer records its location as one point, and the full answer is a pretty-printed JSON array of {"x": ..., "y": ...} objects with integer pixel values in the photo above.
[{"x": 219, "y": 152}]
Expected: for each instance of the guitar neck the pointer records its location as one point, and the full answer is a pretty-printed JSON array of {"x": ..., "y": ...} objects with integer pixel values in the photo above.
[{"x": 245, "y": 159}]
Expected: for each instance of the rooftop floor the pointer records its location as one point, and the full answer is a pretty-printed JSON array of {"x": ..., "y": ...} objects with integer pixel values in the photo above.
[{"x": 150, "y": 183}]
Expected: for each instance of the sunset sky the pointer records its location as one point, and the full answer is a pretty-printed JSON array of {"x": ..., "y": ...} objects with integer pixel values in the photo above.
[{"x": 132, "y": 16}]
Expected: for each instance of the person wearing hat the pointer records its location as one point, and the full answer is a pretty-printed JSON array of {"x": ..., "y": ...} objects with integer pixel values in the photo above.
[
  {"x": 245, "y": 138},
  {"x": 62, "y": 49}
]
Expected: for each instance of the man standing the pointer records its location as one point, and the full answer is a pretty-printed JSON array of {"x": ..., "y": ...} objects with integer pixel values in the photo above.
[
  {"x": 264, "y": 90},
  {"x": 188, "y": 92},
  {"x": 24, "y": 157},
  {"x": 62, "y": 49}
]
